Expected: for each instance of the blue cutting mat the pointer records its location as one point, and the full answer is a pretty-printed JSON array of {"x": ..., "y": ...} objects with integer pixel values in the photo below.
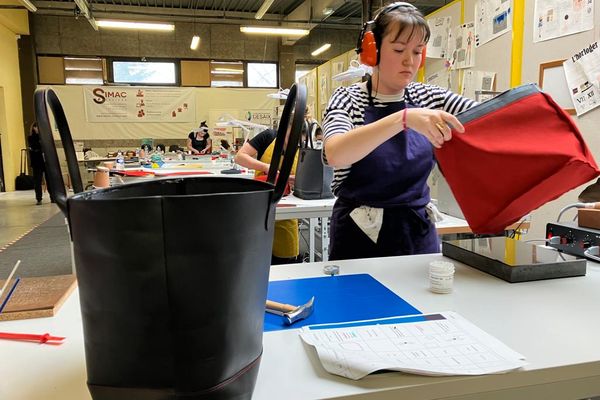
[{"x": 340, "y": 298}]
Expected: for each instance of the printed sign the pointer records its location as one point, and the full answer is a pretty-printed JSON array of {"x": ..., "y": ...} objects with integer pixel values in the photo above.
[{"x": 141, "y": 104}]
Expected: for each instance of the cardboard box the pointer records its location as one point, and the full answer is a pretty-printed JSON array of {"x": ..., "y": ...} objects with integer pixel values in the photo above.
[{"x": 589, "y": 218}]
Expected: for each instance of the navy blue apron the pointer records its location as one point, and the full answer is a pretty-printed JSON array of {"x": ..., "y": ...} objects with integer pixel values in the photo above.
[{"x": 392, "y": 177}]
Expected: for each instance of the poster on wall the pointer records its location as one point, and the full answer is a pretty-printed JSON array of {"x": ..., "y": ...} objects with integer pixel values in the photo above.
[
  {"x": 461, "y": 46},
  {"x": 336, "y": 69},
  {"x": 556, "y": 18},
  {"x": 139, "y": 104},
  {"x": 493, "y": 18},
  {"x": 473, "y": 81},
  {"x": 583, "y": 88},
  {"x": 323, "y": 91},
  {"x": 438, "y": 42}
]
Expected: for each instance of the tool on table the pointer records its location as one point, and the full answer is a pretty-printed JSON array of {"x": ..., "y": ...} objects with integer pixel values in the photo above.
[
  {"x": 10, "y": 277},
  {"x": 10, "y": 293},
  {"x": 45, "y": 338},
  {"x": 290, "y": 312}
]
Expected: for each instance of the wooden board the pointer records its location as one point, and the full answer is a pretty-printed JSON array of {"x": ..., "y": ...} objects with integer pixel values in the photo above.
[{"x": 38, "y": 297}]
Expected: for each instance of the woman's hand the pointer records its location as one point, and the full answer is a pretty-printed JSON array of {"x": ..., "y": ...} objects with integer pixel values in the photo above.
[{"x": 433, "y": 124}]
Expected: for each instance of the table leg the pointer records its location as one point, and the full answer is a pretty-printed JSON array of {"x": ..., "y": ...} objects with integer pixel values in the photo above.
[
  {"x": 324, "y": 239},
  {"x": 311, "y": 239}
]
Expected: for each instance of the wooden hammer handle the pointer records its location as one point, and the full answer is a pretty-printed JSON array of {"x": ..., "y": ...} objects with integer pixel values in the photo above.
[{"x": 273, "y": 305}]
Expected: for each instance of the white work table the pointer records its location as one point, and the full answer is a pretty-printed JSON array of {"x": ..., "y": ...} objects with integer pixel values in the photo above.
[
  {"x": 290, "y": 207},
  {"x": 555, "y": 324}
]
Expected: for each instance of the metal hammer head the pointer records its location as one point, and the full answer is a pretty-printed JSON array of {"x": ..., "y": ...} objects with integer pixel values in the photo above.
[{"x": 301, "y": 312}]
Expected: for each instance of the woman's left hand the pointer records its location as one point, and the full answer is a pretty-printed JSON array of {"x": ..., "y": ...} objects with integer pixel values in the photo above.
[{"x": 435, "y": 125}]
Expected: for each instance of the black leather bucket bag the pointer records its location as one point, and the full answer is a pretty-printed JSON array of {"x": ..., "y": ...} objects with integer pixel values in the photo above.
[{"x": 172, "y": 273}]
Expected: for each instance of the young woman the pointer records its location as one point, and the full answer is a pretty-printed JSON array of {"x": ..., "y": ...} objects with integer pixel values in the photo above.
[
  {"x": 256, "y": 154},
  {"x": 379, "y": 137},
  {"x": 199, "y": 141}
]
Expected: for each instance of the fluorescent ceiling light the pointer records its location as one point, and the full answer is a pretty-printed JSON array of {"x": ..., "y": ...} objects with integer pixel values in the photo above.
[
  {"x": 29, "y": 5},
  {"x": 217, "y": 72},
  {"x": 145, "y": 26},
  {"x": 83, "y": 58},
  {"x": 321, "y": 49},
  {"x": 226, "y": 62},
  {"x": 82, "y": 69},
  {"x": 328, "y": 11},
  {"x": 265, "y": 30},
  {"x": 234, "y": 70},
  {"x": 195, "y": 42},
  {"x": 263, "y": 9}
]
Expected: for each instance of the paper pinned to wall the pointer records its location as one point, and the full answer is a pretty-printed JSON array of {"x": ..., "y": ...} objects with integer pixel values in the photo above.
[
  {"x": 585, "y": 94},
  {"x": 437, "y": 46},
  {"x": 461, "y": 46},
  {"x": 556, "y": 18},
  {"x": 493, "y": 18},
  {"x": 476, "y": 80}
]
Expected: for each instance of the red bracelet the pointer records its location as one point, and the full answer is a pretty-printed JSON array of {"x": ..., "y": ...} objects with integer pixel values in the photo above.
[{"x": 404, "y": 119}]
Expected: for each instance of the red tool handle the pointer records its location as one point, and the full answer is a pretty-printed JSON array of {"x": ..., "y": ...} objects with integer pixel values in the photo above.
[{"x": 45, "y": 338}]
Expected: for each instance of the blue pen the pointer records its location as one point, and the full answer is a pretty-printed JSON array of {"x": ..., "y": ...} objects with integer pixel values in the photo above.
[{"x": 12, "y": 290}]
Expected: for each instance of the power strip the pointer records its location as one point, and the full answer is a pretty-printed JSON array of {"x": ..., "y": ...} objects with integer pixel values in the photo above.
[{"x": 570, "y": 238}]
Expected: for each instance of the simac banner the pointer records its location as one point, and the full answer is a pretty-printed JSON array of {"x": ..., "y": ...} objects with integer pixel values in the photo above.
[{"x": 139, "y": 104}]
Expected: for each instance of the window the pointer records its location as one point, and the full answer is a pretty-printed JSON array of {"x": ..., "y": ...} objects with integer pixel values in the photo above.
[
  {"x": 226, "y": 74},
  {"x": 262, "y": 75},
  {"x": 84, "y": 71},
  {"x": 303, "y": 69},
  {"x": 145, "y": 72}
]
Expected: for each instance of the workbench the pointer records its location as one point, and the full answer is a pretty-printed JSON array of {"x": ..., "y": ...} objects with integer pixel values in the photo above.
[{"x": 553, "y": 323}]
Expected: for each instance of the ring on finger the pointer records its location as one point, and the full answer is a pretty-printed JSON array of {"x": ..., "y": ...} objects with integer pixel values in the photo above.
[{"x": 441, "y": 126}]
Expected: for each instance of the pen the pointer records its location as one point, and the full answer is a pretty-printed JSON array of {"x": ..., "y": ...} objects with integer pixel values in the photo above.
[
  {"x": 8, "y": 296},
  {"x": 10, "y": 277}
]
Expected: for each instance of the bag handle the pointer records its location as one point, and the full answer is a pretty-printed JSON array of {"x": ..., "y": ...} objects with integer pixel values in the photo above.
[
  {"x": 296, "y": 102},
  {"x": 44, "y": 98},
  {"x": 307, "y": 143}
]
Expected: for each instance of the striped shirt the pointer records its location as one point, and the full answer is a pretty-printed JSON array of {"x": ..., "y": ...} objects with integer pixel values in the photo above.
[{"x": 346, "y": 110}]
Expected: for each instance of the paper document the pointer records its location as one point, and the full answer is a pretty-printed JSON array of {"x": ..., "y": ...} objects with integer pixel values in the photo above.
[{"x": 430, "y": 344}]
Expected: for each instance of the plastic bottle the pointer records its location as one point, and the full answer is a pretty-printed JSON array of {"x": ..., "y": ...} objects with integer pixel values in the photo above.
[{"x": 120, "y": 162}]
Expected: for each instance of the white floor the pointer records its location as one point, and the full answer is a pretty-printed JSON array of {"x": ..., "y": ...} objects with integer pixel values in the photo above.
[{"x": 19, "y": 214}]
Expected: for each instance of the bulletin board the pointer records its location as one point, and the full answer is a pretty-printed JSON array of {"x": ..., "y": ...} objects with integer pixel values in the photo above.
[
  {"x": 493, "y": 56},
  {"x": 552, "y": 80},
  {"x": 437, "y": 65}
]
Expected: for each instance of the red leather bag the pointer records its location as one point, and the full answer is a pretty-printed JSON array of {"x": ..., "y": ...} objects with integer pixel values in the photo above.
[{"x": 519, "y": 151}]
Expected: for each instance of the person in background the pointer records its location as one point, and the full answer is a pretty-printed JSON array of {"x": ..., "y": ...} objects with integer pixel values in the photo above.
[
  {"x": 36, "y": 158},
  {"x": 380, "y": 136},
  {"x": 310, "y": 124},
  {"x": 199, "y": 141},
  {"x": 318, "y": 138},
  {"x": 256, "y": 154}
]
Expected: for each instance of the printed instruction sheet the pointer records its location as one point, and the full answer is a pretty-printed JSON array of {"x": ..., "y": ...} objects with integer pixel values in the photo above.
[{"x": 431, "y": 344}]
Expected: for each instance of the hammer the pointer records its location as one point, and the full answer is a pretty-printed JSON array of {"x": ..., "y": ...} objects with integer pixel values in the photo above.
[{"x": 289, "y": 312}]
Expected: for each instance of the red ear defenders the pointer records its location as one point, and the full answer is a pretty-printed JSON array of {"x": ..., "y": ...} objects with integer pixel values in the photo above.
[{"x": 367, "y": 46}]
